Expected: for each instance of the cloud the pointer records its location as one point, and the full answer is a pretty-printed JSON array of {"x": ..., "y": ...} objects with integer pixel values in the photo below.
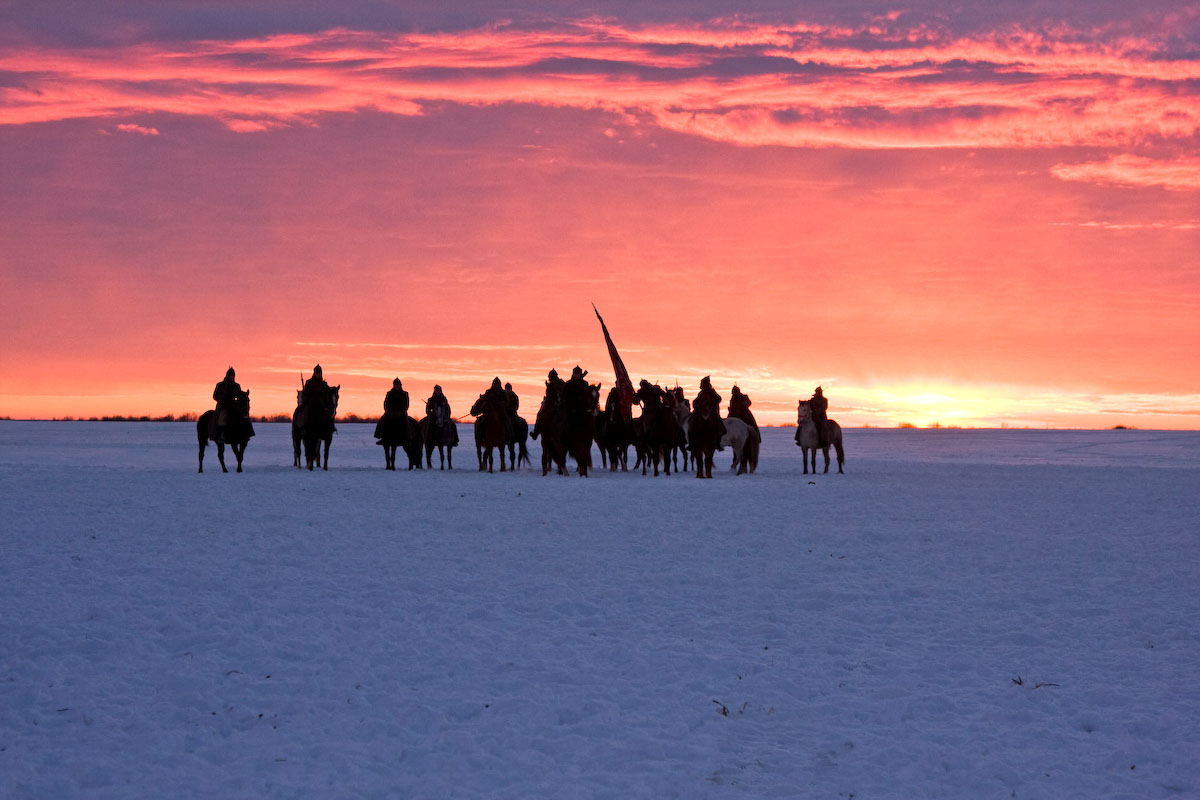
[
  {"x": 877, "y": 85},
  {"x": 1185, "y": 225},
  {"x": 140, "y": 129},
  {"x": 1179, "y": 174}
]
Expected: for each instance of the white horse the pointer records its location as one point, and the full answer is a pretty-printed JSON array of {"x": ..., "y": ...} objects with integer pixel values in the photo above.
[
  {"x": 807, "y": 438},
  {"x": 745, "y": 442}
]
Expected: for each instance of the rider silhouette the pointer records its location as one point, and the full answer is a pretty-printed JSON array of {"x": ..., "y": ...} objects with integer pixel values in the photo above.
[
  {"x": 223, "y": 393},
  {"x": 553, "y": 397},
  {"x": 739, "y": 408},
  {"x": 818, "y": 404},
  {"x": 708, "y": 398},
  {"x": 394, "y": 422},
  {"x": 496, "y": 395}
]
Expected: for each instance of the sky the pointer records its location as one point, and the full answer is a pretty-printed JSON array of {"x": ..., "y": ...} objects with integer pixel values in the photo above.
[{"x": 953, "y": 214}]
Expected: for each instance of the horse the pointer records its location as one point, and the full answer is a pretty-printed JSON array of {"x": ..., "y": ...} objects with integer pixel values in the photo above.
[
  {"x": 581, "y": 428},
  {"x": 313, "y": 423},
  {"x": 660, "y": 431},
  {"x": 392, "y": 431},
  {"x": 518, "y": 452},
  {"x": 439, "y": 431},
  {"x": 745, "y": 442},
  {"x": 551, "y": 425},
  {"x": 490, "y": 433},
  {"x": 808, "y": 439},
  {"x": 614, "y": 434},
  {"x": 413, "y": 445},
  {"x": 704, "y": 436},
  {"x": 236, "y": 431}
]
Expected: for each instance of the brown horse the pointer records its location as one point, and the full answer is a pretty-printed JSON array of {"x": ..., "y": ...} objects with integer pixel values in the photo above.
[
  {"x": 490, "y": 431},
  {"x": 236, "y": 432}
]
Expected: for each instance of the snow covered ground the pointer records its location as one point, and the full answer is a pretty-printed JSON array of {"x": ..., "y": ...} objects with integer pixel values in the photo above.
[{"x": 963, "y": 614}]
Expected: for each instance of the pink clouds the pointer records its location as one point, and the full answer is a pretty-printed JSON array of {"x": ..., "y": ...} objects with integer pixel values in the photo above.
[
  {"x": 878, "y": 86},
  {"x": 1180, "y": 174}
]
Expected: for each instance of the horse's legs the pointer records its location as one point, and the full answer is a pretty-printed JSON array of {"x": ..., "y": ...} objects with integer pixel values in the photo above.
[
  {"x": 238, "y": 450},
  {"x": 325, "y": 463},
  {"x": 203, "y": 444},
  {"x": 221, "y": 455},
  {"x": 826, "y": 451}
]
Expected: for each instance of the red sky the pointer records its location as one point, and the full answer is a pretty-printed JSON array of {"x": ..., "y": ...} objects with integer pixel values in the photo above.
[{"x": 961, "y": 220}]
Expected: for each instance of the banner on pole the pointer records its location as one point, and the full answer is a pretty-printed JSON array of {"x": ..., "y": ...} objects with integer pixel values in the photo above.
[{"x": 624, "y": 384}]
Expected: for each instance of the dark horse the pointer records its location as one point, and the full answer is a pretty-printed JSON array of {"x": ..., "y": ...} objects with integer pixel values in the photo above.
[
  {"x": 518, "y": 451},
  {"x": 552, "y": 427},
  {"x": 581, "y": 426},
  {"x": 312, "y": 423},
  {"x": 704, "y": 436},
  {"x": 614, "y": 434},
  {"x": 490, "y": 433},
  {"x": 392, "y": 431},
  {"x": 659, "y": 433},
  {"x": 413, "y": 445},
  {"x": 438, "y": 430},
  {"x": 236, "y": 431}
]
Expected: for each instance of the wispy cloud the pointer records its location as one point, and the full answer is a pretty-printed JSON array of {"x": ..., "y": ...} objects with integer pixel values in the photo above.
[
  {"x": 1182, "y": 225},
  {"x": 879, "y": 85},
  {"x": 1179, "y": 174},
  {"x": 139, "y": 129}
]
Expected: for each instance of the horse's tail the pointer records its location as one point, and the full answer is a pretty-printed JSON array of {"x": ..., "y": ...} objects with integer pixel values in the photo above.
[
  {"x": 523, "y": 454},
  {"x": 750, "y": 450},
  {"x": 835, "y": 433}
]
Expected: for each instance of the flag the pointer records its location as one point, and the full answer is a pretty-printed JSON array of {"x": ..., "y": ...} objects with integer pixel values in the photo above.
[{"x": 624, "y": 385}]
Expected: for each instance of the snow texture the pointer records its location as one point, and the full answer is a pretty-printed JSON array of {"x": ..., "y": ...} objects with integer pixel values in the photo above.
[{"x": 963, "y": 614}]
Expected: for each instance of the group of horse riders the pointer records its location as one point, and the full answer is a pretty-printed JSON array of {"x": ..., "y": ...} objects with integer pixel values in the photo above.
[{"x": 571, "y": 393}]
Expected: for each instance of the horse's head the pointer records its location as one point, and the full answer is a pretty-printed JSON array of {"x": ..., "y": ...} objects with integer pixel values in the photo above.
[
  {"x": 477, "y": 407},
  {"x": 241, "y": 402},
  {"x": 803, "y": 412},
  {"x": 332, "y": 398},
  {"x": 594, "y": 396}
]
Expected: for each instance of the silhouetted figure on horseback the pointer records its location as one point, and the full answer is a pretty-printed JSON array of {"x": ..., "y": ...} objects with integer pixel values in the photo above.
[
  {"x": 438, "y": 430},
  {"x": 705, "y": 427},
  {"x": 659, "y": 427},
  {"x": 614, "y": 434},
  {"x": 815, "y": 432},
  {"x": 514, "y": 403},
  {"x": 581, "y": 402},
  {"x": 493, "y": 425},
  {"x": 224, "y": 394},
  {"x": 551, "y": 425},
  {"x": 313, "y": 420},
  {"x": 551, "y": 401},
  {"x": 818, "y": 406},
  {"x": 739, "y": 408},
  {"x": 392, "y": 428},
  {"x": 228, "y": 423}
]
